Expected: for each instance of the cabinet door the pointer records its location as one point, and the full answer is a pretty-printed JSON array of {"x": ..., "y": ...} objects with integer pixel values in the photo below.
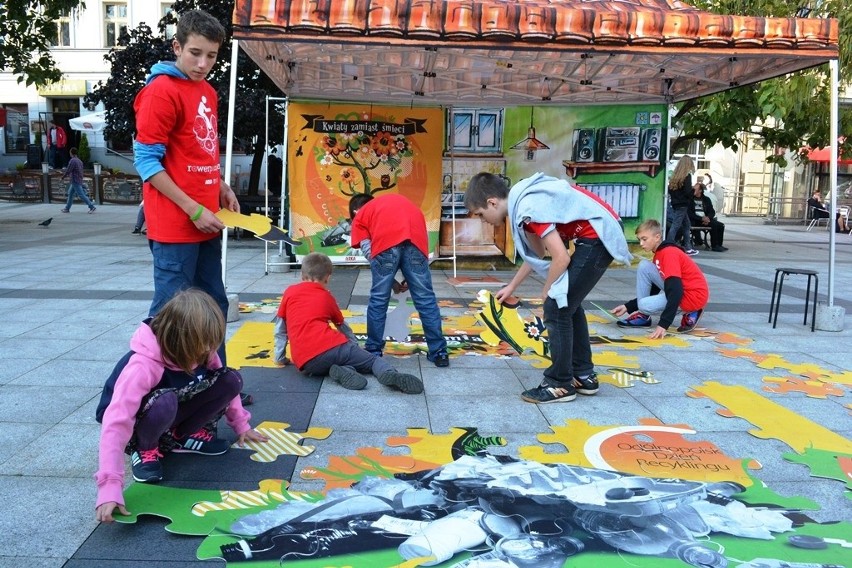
[{"x": 472, "y": 131}]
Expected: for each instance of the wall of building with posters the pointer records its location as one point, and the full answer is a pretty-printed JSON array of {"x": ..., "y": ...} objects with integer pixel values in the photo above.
[{"x": 336, "y": 150}]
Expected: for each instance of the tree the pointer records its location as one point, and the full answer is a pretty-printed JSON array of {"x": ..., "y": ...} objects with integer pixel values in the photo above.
[
  {"x": 786, "y": 112},
  {"x": 138, "y": 50},
  {"x": 27, "y": 28}
]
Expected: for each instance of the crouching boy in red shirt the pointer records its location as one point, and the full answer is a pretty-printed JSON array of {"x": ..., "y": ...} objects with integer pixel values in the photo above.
[
  {"x": 671, "y": 280},
  {"x": 317, "y": 349}
]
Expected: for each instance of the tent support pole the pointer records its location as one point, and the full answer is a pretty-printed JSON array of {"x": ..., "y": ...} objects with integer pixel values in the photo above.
[
  {"x": 833, "y": 116},
  {"x": 229, "y": 147}
]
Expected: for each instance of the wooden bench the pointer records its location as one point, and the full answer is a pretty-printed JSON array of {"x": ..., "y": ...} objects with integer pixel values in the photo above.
[{"x": 704, "y": 233}]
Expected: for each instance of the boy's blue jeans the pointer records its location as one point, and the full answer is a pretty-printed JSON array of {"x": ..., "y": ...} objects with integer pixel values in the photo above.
[
  {"x": 415, "y": 269},
  {"x": 178, "y": 266},
  {"x": 567, "y": 329}
]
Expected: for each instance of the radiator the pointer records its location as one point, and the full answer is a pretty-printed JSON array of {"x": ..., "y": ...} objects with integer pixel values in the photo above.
[{"x": 623, "y": 197}]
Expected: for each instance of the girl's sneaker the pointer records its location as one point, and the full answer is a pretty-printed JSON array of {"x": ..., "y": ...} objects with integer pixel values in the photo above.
[
  {"x": 146, "y": 466},
  {"x": 202, "y": 442},
  {"x": 636, "y": 320}
]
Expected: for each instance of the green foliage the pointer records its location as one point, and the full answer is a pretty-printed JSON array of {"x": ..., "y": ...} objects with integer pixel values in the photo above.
[
  {"x": 131, "y": 61},
  {"x": 83, "y": 151},
  {"x": 25, "y": 47},
  {"x": 786, "y": 112}
]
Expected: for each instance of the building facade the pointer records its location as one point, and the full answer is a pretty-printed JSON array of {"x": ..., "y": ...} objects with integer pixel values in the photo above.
[{"x": 81, "y": 40}]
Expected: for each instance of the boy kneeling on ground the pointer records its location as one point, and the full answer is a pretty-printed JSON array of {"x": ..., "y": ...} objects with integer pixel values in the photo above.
[{"x": 671, "y": 280}]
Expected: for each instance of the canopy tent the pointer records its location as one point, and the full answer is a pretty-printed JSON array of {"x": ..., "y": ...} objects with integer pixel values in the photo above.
[
  {"x": 530, "y": 52},
  {"x": 823, "y": 156},
  {"x": 564, "y": 52}
]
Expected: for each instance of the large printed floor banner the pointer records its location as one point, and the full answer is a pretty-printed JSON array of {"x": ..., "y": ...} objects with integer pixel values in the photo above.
[{"x": 336, "y": 151}]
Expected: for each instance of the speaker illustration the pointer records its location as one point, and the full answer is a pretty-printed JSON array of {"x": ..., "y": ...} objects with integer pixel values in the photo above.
[
  {"x": 619, "y": 144},
  {"x": 584, "y": 145},
  {"x": 651, "y": 140}
]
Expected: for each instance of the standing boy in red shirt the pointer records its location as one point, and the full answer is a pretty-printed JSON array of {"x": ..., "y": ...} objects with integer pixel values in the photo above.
[
  {"x": 671, "y": 280},
  {"x": 317, "y": 349},
  {"x": 391, "y": 231},
  {"x": 177, "y": 156}
]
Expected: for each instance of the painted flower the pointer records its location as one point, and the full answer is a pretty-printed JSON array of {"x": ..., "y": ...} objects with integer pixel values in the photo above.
[
  {"x": 347, "y": 175},
  {"x": 383, "y": 144},
  {"x": 533, "y": 330},
  {"x": 331, "y": 144}
]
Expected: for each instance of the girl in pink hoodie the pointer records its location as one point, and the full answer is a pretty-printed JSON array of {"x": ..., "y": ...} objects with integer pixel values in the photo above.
[{"x": 166, "y": 395}]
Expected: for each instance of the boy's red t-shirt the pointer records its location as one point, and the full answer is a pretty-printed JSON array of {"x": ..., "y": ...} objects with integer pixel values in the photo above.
[
  {"x": 576, "y": 229},
  {"x": 671, "y": 261},
  {"x": 180, "y": 114},
  {"x": 387, "y": 221},
  {"x": 307, "y": 308}
]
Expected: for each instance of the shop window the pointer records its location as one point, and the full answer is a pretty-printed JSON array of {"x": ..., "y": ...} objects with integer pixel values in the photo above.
[
  {"x": 115, "y": 22},
  {"x": 475, "y": 131},
  {"x": 17, "y": 128}
]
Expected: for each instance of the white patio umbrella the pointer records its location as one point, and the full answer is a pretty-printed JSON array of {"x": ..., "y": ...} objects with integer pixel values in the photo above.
[{"x": 94, "y": 122}]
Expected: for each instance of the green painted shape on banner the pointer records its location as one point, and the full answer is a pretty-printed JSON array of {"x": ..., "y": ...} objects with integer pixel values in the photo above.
[
  {"x": 171, "y": 503},
  {"x": 758, "y": 493},
  {"x": 823, "y": 463},
  {"x": 175, "y": 504}
]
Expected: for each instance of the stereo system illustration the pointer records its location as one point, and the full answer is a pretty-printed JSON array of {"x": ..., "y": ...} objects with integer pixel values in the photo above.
[{"x": 617, "y": 144}]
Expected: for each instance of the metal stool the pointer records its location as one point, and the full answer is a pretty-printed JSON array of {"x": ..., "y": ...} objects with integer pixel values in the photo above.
[{"x": 775, "y": 303}]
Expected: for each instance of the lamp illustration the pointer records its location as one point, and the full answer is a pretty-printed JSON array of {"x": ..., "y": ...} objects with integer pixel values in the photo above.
[{"x": 531, "y": 144}]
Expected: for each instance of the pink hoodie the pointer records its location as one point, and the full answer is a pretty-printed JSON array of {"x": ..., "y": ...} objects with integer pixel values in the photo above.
[{"x": 141, "y": 375}]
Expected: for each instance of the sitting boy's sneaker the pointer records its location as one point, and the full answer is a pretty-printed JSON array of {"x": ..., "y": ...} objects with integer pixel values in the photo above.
[
  {"x": 544, "y": 394},
  {"x": 587, "y": 385},
  {"x": 202, "y": 442},
  {"x": 146, "y": 466},
  {"x": 409, "y": 384},
  {"x": 348, "y": 378},
  {"x": 636, "y": 320},
  {"x": 689, "y": 321}
]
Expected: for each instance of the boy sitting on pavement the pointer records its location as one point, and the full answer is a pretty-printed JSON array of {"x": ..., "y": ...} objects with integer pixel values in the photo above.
[
  {"x": 317, "y": 349},
  {"x": 671, "y": 280}
]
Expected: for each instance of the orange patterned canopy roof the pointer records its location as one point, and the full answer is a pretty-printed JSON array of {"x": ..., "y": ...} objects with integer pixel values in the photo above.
[{"x": 509, "y": 52}]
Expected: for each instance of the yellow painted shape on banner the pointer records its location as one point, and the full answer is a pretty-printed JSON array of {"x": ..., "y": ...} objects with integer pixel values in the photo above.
[
  {"x": 771, "y": 420},
  {"x": 650, "y": 449},
  {"x": 269, "y": 491},
  {"x": 775, "y": 361},
  {"x": 281, "y": 441},
  {"x": 506, "y": 324},
  {"x": 641, "y": 340},
  {"x": 439, "y": 448},
  {"x": 624, "y": 380},
  {"x": 811, "y": 388},
  {"x": 252, "y": 345}
]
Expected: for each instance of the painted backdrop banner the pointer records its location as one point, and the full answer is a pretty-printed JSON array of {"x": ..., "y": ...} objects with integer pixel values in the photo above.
[{"x": 339, "y": 150}]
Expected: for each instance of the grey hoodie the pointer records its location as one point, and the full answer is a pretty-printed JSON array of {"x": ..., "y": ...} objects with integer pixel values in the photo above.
[{"x": 544, "y": 199}]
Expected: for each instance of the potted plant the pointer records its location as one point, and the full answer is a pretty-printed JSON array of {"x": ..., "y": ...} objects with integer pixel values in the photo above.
[{"x": 83, "y": 152}]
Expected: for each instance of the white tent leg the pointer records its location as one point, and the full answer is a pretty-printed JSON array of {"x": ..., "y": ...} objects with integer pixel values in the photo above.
[
  {"x": 233, "y": 303},
  {"x": 832, "y": 130}
]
